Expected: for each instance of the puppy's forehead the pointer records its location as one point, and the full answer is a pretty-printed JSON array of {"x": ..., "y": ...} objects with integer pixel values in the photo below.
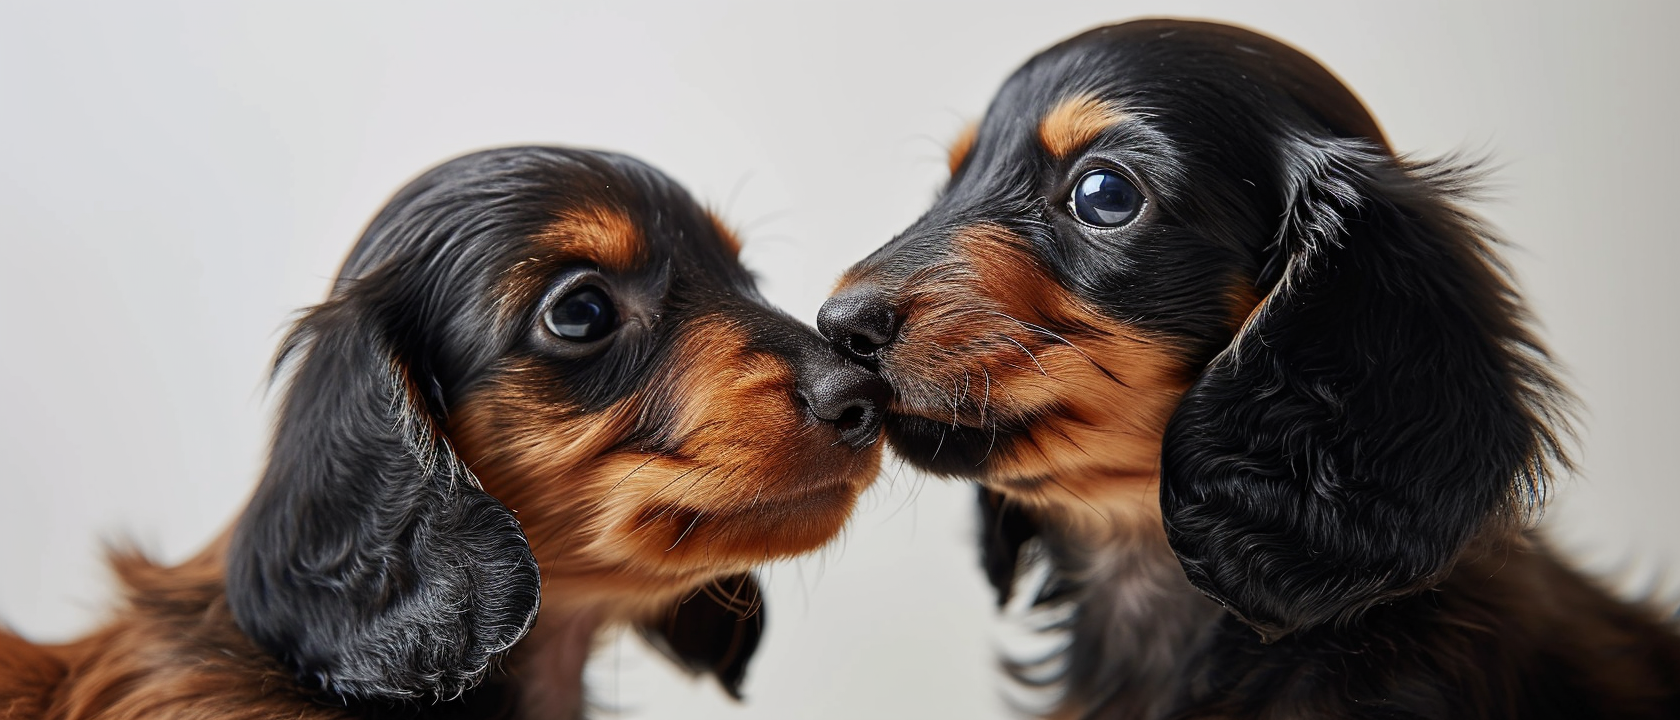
[
  {"x": 1169, "y": 94},
  {"x": 631, "y": 219},
  {"x": 602, "y": 234},
  {"x": 1205, "y": 69}
]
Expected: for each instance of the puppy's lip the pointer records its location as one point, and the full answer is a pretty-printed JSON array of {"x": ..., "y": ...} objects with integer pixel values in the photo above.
[
  {"x": 905, "y": 404},
  {"x": 965, "y": 455},
  {"x": 941, "y": 448},
  {"x": 904, "y": 412}
]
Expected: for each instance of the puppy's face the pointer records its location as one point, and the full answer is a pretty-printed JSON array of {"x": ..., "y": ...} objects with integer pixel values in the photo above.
[
  {"x": 651, "y": 420},
  {"x": 542, "y": 372},
  {"x": 1182, "y": 253},
  {"x": 1100, "y": 240}
]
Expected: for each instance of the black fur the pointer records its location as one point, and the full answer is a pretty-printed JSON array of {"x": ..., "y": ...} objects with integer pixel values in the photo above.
[
  {"x": 1351, "y": 468},
  {"x": 1004, "y": 528},
  {"x": 369, "y": 559},
  {"x": 1383, "y": 405},
  {"x": 715, "y": 631}
]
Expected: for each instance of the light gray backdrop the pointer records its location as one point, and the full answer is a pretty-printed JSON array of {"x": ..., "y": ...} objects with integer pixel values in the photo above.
[{"x": 176, "y": 178}]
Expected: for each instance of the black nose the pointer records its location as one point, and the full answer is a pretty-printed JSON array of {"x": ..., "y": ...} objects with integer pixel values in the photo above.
[
  {"x": 859, "y": 321},
  {"x": 848, "y": 397}
]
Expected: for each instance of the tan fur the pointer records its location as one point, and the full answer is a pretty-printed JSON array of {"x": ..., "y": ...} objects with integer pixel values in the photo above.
[
  {"x": 602, "y": 235},
  {"x": 741, "y": 478},
  {"x": 28, "y": 675},
  {"x": 547, "y": 666},
  {"x": 993, "y": 338},
  {"x": 1075, "y": 122},
  {"x": 172, "y": 652}
]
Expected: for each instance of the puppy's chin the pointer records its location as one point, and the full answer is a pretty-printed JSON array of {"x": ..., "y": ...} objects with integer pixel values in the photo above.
[
  {"x": 681, "y": 536},
  {"x": 983, "y": 455},
  {"x": 945, "y": 448},
  {"x": 1010, "y": 461},
  {"x": 626, "y": 554}
]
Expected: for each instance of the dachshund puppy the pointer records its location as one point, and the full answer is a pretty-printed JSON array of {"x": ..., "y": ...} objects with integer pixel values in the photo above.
[
  {"x": 1193, "y": 326},
  {"x": 542, "y": 374}
]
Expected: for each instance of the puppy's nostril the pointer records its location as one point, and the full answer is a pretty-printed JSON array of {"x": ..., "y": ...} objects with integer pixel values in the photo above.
[
  {"x": 861, "y": 346},
  {"x": 850, "y": 418}
]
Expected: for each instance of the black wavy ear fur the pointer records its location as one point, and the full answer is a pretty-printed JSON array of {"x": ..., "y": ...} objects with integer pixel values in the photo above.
[
  {"x": 1382, "y": 406},
  {"x": 715, "y": 630},
  {"x": 370, "y": 561},
  {"x": 1004, "y": 528}
]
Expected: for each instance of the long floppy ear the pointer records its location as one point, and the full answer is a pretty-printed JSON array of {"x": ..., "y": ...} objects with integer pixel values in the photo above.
[
  {"x": 370, "y": 561},
  {"x": 1378, "y": 409},
  {"x": 715, "y": 630},
  {"x": 1004, "y": 528}
]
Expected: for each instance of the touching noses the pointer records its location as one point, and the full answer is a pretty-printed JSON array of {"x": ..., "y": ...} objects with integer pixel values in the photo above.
[{"x": 858, "y": 321}]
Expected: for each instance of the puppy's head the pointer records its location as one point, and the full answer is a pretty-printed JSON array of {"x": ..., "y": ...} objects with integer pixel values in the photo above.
[
  {"x": 1183, "y": 253},
  {"x": 540, "y": 363}
]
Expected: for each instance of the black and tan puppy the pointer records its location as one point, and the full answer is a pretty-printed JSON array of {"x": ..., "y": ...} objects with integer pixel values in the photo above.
[
  {"x": 542, "y": 374},
  {"x": 1192, "y": 324}
]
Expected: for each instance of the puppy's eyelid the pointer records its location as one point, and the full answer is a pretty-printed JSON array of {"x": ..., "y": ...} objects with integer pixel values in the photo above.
[
  {"x": 550, "y": 332},
  {"x": 570, "y": 279}
]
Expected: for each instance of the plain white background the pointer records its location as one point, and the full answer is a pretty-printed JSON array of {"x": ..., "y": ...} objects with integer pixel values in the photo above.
[{"x": 175, "y": 179}]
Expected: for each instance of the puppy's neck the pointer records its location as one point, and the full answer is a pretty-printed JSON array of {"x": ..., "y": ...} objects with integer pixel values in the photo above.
[
  {"x": 1137, "y": 621},
  {"x": 547, "y": 666},
  {"x": 1117, "y": 511}
]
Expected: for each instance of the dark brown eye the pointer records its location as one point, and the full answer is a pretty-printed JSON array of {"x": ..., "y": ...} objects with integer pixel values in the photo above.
[
  {"x": 582, "y": 315},
  {"x": 1105, "y": 199}
]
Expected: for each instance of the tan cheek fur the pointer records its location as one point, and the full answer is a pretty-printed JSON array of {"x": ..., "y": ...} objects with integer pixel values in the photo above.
[
  {"x": 747, "y": 479},
  {"x": 993, "y": 338}
]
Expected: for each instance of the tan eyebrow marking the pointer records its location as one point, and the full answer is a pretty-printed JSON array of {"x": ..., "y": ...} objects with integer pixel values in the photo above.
[
  {"x": 962, "y": 146},
  {"x": 602, "y": 234},
  {"x": 1075, "y": 122}
]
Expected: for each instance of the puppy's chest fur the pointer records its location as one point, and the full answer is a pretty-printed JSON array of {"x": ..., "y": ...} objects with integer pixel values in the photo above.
[{"x": 1137, "y": 629}]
